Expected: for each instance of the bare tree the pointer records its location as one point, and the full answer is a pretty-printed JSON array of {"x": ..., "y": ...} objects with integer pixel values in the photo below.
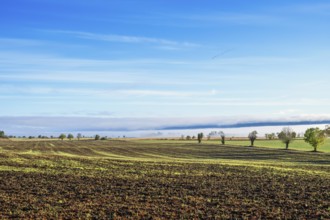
[
  {"x": 200, "y": 137},
  {"x": 287, "y": 135},
  {"x": 223, "y": 137},
  {"x": 253, "y": 136}
]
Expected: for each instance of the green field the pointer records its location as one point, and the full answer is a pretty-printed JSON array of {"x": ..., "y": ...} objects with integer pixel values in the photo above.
[
  {"x": 298, "y": 144},
  {"x": 161, "y": 179}
]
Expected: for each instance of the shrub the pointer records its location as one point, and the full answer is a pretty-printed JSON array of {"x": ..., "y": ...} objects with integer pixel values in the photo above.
[
  {"x": 315, "y": 137},
  {"x": 97, "y": 137}
]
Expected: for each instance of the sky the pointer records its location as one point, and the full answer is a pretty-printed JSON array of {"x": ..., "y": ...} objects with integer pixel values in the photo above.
[{"x": 109, "y": 66}]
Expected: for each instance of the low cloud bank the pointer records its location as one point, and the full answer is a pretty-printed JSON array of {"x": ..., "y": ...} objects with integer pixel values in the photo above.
[
  {"x": 55, "y": 125},
  {"x": 250, "y": 124}
]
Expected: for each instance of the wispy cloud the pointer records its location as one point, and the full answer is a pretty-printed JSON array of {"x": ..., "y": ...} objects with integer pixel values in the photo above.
[
  {"x": 60, "y": 91},
  {"x": 21, "y": 58},
  {"x": 38, "y": 67},
  {"x": 288, "y": 112},
  {"x": 40, "y": 64},
  {"x": 17, "y": 42},
  {"x": 235, "y": 102},
  {"x": 103, "y": 77},
  {"x": 232, "y": 18},
  {"x": 168, "y": 93},
  {"x": 125, "y": 39}
]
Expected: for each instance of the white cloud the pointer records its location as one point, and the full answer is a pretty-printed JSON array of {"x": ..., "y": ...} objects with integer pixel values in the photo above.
[
  {"x": 168, "y": 93},
  {"x": 236, "y": 102},
  {"x": 58, "y": 91},
  {"x": 44, "y": 67},
  {"x": 124, "y": 38},
  {"x": 288, "y": 112}
]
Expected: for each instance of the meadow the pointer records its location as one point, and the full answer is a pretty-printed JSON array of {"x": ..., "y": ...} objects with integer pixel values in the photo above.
[
  {"x": 162, "y": 179},
  {"x": 298, "y": 144}
]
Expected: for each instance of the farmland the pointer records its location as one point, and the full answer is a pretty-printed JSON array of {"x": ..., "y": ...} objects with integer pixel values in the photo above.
[
  {"x": 298, "y": 144},
  {"x": 146, "y": 179}
]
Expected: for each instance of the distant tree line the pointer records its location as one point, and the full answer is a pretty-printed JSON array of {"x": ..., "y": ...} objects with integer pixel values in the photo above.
[
  {"x": 313, "y": 136},
  {"x": 316, "y": 137},
  {"x": 79, "y": 136},
  {"x": 61, "y": 136}
]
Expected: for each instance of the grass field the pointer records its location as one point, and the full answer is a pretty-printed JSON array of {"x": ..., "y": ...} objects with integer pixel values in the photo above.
[
  {"x": 298, "y": 144},
  {"x": 155, "y": 179}
]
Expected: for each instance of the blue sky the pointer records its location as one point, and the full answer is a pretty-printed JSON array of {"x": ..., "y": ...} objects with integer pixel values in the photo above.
[{"x": 165, "y": 62}]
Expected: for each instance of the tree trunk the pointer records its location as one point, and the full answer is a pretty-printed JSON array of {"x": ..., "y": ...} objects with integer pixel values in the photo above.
[
  {"x": 287, "y": 145},
  {"x": 315, "y": 148},
  {"x": 252, "y": 142}
]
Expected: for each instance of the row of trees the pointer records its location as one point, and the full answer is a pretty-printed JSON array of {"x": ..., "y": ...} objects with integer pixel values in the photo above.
[
  {"x": 79, "y": 136},
  {"x": 287, "y": 135},
  {"x": 61, "y": 136},
  {"x": 69, "y": 136},
  {"x": 313, "y": 136}
]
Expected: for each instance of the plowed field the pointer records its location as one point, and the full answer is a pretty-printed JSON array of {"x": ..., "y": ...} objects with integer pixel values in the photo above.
[{"x": 160, "y": 180}]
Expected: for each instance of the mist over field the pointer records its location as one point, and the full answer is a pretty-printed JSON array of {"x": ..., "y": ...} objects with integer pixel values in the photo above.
[{"x": 153, "y": 127}]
